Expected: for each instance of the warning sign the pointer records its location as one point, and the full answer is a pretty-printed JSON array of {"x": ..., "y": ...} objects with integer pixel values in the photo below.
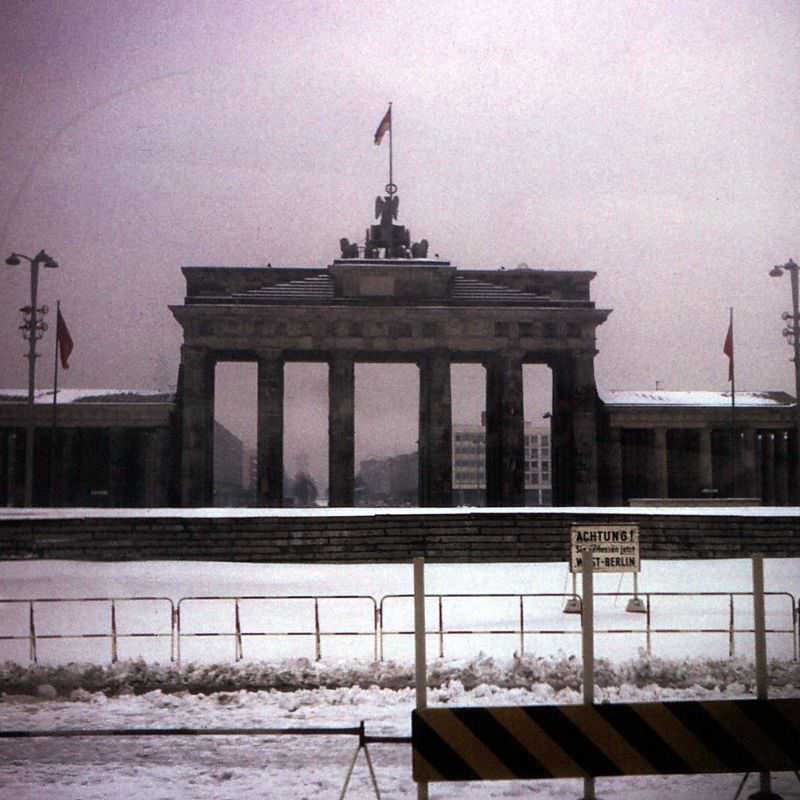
[{"x": 614, "y": 548}]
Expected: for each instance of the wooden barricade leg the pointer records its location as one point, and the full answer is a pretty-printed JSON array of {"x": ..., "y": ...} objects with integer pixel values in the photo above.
[
  {"x": 587, "y": 636},
  {"x": 362, "y": 745},
  {"x": 420, "y": 654}
]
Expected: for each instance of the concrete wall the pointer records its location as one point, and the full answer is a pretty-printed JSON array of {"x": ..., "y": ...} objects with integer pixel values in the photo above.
[{"x": 361, "y": 536}]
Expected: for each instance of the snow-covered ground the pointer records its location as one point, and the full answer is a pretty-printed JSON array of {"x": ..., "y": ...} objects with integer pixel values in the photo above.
[
  {"x": 232, "y": 768},
  {"x": 236, "y": 767}
]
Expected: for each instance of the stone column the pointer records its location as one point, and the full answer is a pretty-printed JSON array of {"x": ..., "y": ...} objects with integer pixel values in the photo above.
[
  {"x": 793, "y": 468},
  {"x": 562, "y": 453},
  {"x": 781, "y": 469},
  {"x": 759, "y": 468},
  {"x": 615, "y": 466},
  {"x": 341, "y": 430},
  {"x": 197, "y": 429},
  {"x": 660, "y": 468},
  {"x": 151, "y": 460},
  {"x": 705, "y": 470},
  {"x": 269, "y": 430},
  {"x": 435, "y": 430},
  {"x": 505, "y": 431},
  {"x": 68, "y": 469},
  {"x": 119, "y": 467},
  {"x": 768, "y": 444},
  {"x": 747, "y": 485},
  {"x": 156, "y": 465}
]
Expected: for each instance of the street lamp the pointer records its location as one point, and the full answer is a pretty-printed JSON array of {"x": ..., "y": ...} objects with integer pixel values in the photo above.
[
  {"x": 792, "y": 334},
  {"x": 33, "y": 328}
]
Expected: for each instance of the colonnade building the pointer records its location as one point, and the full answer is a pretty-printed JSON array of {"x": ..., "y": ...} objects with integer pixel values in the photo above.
[
  {"x": 388, "y": 302},
  {"x": 698, "y": 446}
]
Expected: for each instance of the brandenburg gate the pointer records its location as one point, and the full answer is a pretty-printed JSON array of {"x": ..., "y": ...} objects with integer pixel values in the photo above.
[{"x": 387, "y": 301}]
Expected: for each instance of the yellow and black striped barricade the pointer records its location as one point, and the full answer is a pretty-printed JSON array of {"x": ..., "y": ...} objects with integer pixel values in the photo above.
[{"x": 587, "y": 741}]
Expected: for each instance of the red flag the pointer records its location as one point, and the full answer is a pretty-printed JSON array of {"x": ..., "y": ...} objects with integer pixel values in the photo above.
[
  {"x": 386, "y": 124},
  {"x": 727, "y": 348},
  {"x": 63, "y": 340}
]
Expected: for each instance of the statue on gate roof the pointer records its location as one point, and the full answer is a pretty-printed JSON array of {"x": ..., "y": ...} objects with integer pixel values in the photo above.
[{"x": 386, "y": 239}]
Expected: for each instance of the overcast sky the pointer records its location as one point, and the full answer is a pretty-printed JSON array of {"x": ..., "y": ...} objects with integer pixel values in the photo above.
[{"x": 655, "y": 143}]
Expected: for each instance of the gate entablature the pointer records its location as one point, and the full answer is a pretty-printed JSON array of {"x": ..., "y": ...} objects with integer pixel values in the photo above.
[{"x": 434, "y": 281}]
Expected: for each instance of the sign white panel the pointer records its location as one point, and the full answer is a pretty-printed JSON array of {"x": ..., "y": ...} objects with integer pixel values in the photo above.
[{"x": 614, "y": 548}]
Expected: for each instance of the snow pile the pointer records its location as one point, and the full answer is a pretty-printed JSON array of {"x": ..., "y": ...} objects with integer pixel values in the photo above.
[{"x": 139, "y": 677}]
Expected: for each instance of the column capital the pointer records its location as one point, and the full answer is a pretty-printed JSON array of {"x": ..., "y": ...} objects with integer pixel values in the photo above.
[
  {"x": 269, "y": 354},
  {"x": 195, "y": 354},
  {"x": 509, "y": 355},
  {"x": 342, "y": 356}
]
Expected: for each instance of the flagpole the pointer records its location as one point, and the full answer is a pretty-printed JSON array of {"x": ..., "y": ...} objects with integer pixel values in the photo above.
[
  {"x": 390, "y": 187},
  {"x": 53, "y": 447},
  {"x": 733, "y": 413},
  {"x": 391, "y": 125}
]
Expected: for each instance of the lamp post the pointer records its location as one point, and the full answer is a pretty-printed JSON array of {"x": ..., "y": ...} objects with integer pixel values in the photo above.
[
  {"x": 33, "y": 328},
  {"x": 792, "y": 333}
]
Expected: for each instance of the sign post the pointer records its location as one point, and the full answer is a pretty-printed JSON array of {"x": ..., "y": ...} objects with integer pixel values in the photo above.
[
  {"x": 760, "y": 629},
  {"x": 420, "y": 654},
  {"x": 587, "y": 624},
  {"x": 600, "y": 548}
]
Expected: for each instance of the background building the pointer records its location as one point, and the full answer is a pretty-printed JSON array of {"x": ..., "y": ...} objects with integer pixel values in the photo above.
[
  {"x": 682, "y": 445},
  {"x": 469, "y": 465},
  {"x": 95, "y": 448},
  {"x": 115, "y": 448},
  {"x": 229, "y": 465},
  {"x": 388, "y": 481}
]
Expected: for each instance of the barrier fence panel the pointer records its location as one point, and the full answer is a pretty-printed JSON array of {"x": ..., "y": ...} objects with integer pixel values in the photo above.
[
  {"x": 516, "y": 617},
  {"x": 521, "y": 618},
  {"x": 270, "y": 625},
  {"x": 52, "y": 627}
]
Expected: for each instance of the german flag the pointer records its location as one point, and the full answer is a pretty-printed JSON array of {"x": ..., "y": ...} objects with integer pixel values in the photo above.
[{"x": 386, "y": 125}]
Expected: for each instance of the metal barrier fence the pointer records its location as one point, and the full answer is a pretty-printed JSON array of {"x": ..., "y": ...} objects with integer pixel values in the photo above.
[
  {"x": 114, "y": 635},
  {"x": 521, "y": 630},
  {"x": 177, "y": 619},
  {"x": 238, "y": 633}
]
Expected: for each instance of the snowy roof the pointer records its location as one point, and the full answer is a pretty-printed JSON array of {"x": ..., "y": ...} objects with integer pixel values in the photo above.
[
  {"x": 702, "y": 399},
  {"x": 319, "y": 288},
  {"x": 89, "y": 396}
]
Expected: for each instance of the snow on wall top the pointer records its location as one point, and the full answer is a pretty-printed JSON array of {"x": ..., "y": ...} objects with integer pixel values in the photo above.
[
  {"x": 89, "y": 396},
  {"x": 612, "y": 397},
  {"x": 702, "y": 399},
  {"x": 17, "y": 513}
]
